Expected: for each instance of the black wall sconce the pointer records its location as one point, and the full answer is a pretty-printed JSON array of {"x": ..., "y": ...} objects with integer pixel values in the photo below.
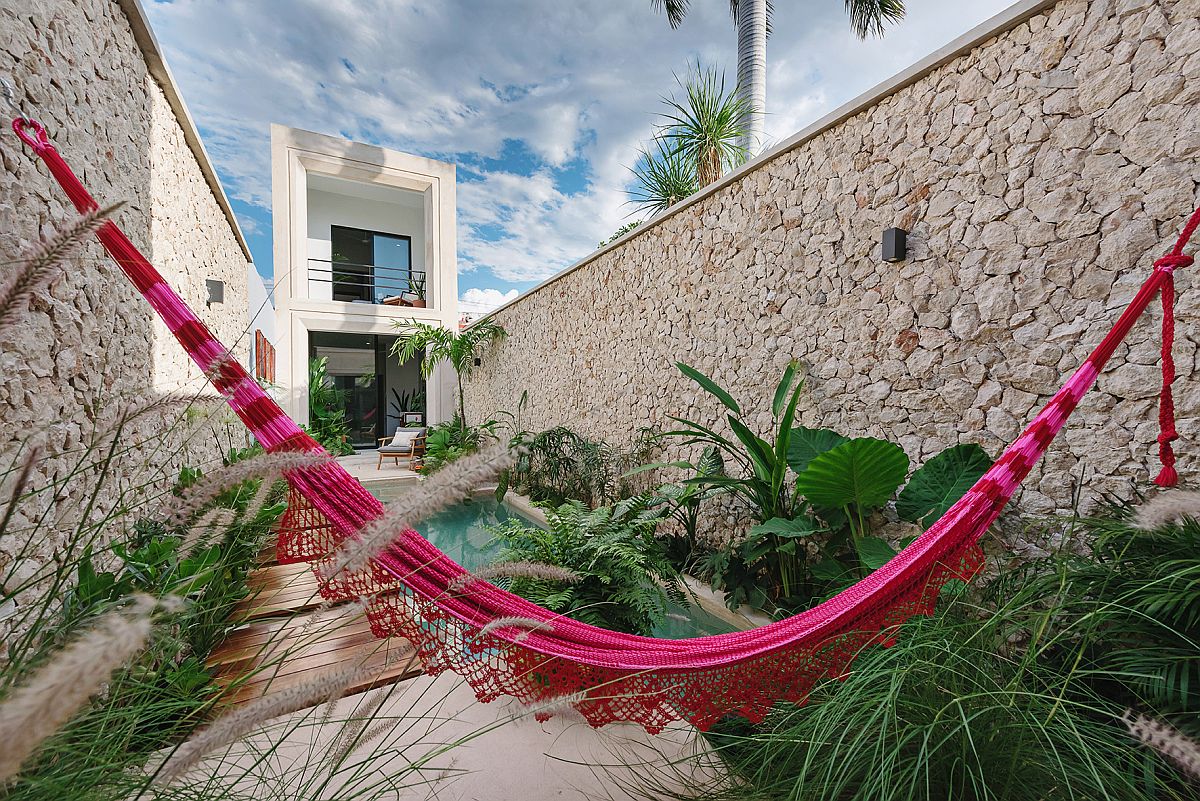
[
  {"x": 216, "y": 291},
  {"x": 478, "y": 361},
  {"x": 895, "y": 244}
]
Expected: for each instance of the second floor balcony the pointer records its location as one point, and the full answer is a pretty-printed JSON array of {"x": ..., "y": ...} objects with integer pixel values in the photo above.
[{"x": 361, "y": 282}]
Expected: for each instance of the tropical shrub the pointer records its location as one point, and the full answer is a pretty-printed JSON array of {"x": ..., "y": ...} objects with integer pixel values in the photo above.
[
  {"x": 439, "y": 344},
  {"x": 700, "y": 138},
  {"x": 452, "y": 440},
  {"x": 683, "y": 502},
  {"x": 558, "y": 465},
  {"x": 812, "y": 493},
  {"x": 624, "y": 578},
  {"x": 327, "y": 422},
  {"x": 166, "y": 691},
  {"x": 951, "y": 711},
  {"x": 1134, "y": 603}
]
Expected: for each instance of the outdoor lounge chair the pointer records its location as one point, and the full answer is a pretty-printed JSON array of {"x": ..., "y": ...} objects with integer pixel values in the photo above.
[{"x": 408, "y": 442}]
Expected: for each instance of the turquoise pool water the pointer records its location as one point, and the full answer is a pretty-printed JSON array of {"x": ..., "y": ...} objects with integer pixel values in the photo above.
[{"x": 461, "y": 532}]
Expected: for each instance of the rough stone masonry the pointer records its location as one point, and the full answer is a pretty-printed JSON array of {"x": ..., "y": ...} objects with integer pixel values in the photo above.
[
  {"x": 1040, "y": 172},
  {"x": 92, "y": 349}
]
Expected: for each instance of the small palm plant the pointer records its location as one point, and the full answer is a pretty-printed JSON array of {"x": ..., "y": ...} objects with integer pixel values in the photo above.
[
  {"x": 699, "y": 140},
  {"x": 440, "y": 344}
]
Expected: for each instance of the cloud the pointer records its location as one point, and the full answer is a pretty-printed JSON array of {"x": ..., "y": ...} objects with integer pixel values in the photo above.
[
  {"x": 481, "y": 301},
  {"x": 463, "y": 79}
]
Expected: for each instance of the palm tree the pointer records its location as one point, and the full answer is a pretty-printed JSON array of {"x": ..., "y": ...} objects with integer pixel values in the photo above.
[
  {"x": 699, "y": 140},
  {"x": 753, "y": 20},
  {"x": 440, "y": 344}
]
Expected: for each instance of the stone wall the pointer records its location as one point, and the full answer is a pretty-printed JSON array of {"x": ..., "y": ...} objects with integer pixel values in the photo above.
[
  {"x": 91, "y": 349},
  {"x": 1040, "y": 171}
]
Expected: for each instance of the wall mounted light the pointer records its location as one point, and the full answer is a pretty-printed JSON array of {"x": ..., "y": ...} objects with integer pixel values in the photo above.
[
  {"x": 216, "y": 291},
  {"x": 478, "y": 361},
  {"x": 895, "y": 244}
]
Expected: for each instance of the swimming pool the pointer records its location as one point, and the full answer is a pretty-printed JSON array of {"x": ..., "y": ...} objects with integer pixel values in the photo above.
[{"x": 461, "y": 532}]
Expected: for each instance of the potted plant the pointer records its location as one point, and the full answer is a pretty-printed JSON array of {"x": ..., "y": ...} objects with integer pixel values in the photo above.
[{"x": 416, "y": 289}]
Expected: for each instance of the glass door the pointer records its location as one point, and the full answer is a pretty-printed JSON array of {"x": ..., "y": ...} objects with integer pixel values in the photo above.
[{"x": 352, "y": 371}]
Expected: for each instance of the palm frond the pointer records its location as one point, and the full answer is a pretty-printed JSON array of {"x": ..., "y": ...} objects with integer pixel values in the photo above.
[
  {"x": 675, "y": 10},
  {"x": 662, "y": 179},
  {"x": 869, "y": 17}
]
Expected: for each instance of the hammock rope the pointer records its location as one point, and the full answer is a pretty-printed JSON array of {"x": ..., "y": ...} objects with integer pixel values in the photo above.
[{"x": 414, "y": 591}]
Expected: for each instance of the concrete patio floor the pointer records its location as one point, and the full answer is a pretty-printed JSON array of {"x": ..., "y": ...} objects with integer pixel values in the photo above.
[
  {"x": 501, "y": 752},
  {"x": 383, "y": 482}
]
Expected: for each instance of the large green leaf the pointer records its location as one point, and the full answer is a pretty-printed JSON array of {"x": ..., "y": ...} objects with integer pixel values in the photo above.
[
  {"x": 874, "y": 552},
  {"x": 806, "y": 444},
  {"x": 710, "y": 386},
  {"x": 862, "y": 472},
  {"x": 782, "y": 527},
  {"x": 781, "y": 391},
  {"x": 941, "y": 481}
]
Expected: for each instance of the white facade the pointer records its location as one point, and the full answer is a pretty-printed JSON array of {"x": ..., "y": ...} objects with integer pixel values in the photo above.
[{"x": 332, "y": 300}]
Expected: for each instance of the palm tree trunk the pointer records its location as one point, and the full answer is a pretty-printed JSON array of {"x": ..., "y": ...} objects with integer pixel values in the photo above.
[
  {"x": 462, "y": 406},
  {"x": 752, "y": 67}
]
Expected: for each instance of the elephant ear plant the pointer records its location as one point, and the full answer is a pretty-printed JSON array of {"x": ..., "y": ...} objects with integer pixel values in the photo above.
[{"x": 812, "y": 493}]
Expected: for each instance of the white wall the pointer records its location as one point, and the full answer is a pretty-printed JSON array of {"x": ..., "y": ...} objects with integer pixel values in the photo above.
[
  {"x": 326, "y": 209},
  {"x": 262, "y": 310}
]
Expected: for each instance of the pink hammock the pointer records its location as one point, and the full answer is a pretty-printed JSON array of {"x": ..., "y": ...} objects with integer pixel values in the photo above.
[{"x": 609, "y": 676}]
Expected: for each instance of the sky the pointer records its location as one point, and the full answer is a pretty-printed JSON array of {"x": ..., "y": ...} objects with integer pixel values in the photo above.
[{"x": 541, "y": 104}]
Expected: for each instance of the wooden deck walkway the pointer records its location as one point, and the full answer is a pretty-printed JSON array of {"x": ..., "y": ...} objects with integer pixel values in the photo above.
[{"x": 284, "y": 638}]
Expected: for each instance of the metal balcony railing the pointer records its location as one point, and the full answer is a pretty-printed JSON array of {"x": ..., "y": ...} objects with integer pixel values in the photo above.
[{"x": 353, "y": 282}]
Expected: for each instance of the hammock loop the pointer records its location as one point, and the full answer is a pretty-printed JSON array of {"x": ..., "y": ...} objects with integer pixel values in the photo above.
[{"x": 39, "y": 140}]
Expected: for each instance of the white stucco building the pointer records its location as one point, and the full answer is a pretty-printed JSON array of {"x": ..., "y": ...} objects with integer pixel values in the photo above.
[{"x": 363, "y": 239}]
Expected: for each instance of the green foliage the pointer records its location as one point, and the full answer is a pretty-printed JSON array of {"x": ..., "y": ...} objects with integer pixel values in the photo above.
[
  {"x": 950, "y": 711},
  {"x": 812, "y": 492},
  {"x": 662, "y": 178},
  {"x": 440, "y": 344},
  {"x": 1134, "y": 603},
  {"x": 940, "y": 482},
  {"x": 166, "y": 692},
  {"x": 559, "y": 465},
  {"x": 327, "y": 422},
  {"x": 698, "y": 140},
  {"x": 446, "y": 442},
  {"x": 708, "y": 126},
  {"x": 1012, "y": 691},
  {"x": 620, "y": 232},
  {"x": 625, "y": 577},
  {"x": 861, "y": 473},
  {"x": 684, "y": 501}
]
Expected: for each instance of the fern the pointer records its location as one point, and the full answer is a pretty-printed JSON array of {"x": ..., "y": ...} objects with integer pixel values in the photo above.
[{"x": 625, "y": 578}]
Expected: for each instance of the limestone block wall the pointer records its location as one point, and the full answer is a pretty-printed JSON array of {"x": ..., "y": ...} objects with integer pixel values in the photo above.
[
  {"x": 1040, "y": 165},
  {"x": 91, "y": 350}
]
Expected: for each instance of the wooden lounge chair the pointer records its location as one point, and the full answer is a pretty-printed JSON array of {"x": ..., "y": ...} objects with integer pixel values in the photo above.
[{"x": 406, "y": 442}]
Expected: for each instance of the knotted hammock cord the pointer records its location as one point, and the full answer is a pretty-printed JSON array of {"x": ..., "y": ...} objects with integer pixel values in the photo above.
[{"x": 410, "y": 589}]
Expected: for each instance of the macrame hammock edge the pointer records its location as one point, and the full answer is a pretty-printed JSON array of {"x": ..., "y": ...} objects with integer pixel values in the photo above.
[{"x": 416, "y": 592}]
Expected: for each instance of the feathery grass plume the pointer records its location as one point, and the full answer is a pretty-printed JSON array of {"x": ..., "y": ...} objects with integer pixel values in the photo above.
[
  {"x": 1174, "y": 745},
  {"x": 454, "y": 482},
  {"x": 234, "y": 725},
  {"x": 348, "y": 736},
  {"x": 200, "y": 494},
  {"x": 47, "y": 699},
  {"x": 531, "y": 570},
  {"x": 526, "y": 624},
  {"x": 213, "y": 521},
  {"x": 18, "y": 485},
  {"x": 44, "y": 263},
  {"x": 562, "y": 706},
  {"x": 259, "y": 501},
  {"x": 1168, "y": 508}
]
